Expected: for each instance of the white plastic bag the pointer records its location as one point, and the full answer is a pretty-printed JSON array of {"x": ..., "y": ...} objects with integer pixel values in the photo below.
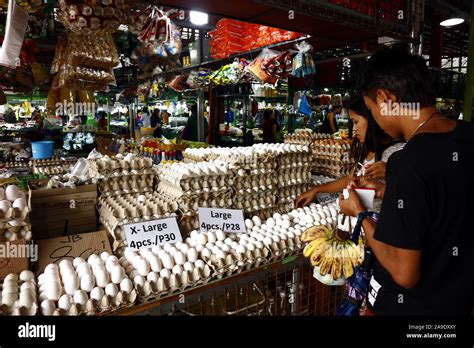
[{"x": 17, "y": 22}]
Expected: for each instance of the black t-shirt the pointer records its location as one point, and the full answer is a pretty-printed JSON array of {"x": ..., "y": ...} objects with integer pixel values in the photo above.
[{"x": 429, "y": 206}]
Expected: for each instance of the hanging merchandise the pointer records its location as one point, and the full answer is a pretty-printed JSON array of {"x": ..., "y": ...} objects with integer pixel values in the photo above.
[
  {"x": 279, "y": 66},
  {"x": 303, "y": 63},
  {"x": 304, "y": 108},
  {"x": 179, "y": 83},
  {"x": 151, "y": 25},
  {"x": 230, "y": 74},
  {"x": 259, "y": 66},
  {"x": 91, "y": 16},
  {"x": 15, "y": 30}
]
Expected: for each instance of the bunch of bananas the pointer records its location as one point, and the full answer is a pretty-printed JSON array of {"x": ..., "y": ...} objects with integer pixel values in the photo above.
[{"x": 330, "y": 253}]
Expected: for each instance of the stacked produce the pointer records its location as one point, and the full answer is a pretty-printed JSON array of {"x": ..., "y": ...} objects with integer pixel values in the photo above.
[
  {"x": 332, "y": 156},
  {"x": 229, "y": 74},
  {"x": 14, "y": 215},
  {"x": 194, "y": 185},
  {"x": 301, "y": 137},
  {"x": 158, "y": 271},
  {"x": 19, "y": 294},
  {"x": 54, "y": 166},
  {"x": 97, "y": 285}
]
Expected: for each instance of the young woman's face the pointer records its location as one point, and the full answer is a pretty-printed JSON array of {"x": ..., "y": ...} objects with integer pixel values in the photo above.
[{"x": 360, "y": 125}]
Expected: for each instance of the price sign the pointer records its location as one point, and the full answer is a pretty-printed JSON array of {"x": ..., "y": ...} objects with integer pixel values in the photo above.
[
  {"x": 150, "y": 233},
  {"x": 227, "y": 220}
]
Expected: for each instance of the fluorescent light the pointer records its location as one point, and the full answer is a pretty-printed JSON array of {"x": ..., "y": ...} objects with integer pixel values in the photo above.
[
  {"x": 451, "y": 22},
  {"x": 198, "y": 18}
]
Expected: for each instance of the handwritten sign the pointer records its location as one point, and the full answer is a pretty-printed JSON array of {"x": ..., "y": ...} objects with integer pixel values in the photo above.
[
  {"x": 69, "y": 247},
  {"x": 157, "y": 232},
  {"x": 227, "y": 220}
]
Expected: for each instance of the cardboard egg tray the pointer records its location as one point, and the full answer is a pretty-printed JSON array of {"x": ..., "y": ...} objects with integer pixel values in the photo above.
[
  {"x": 109, "y": 167},
  {"x": 126, "y": 184},
  {"x": 15, "y": 309},
  {"x": 12, "y": 233},
  {"x": 196, "y": 188}
]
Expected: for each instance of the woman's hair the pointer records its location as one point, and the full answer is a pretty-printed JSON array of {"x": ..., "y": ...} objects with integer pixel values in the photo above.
[{"x": 374, "y": 136}]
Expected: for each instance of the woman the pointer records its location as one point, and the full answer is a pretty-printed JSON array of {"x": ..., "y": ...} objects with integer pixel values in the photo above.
[
  {"x": 330, "y": 125},
  {"x": 371, "y": 147},
  {"x": 156, "y": 123},
  {"x": 270, "y": 127},
  {"x": 145, "y": 118}
]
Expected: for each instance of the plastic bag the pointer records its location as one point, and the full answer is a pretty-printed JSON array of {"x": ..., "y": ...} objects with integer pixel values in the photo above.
[
  {"x": 304, "y": 107},
  {"x": 256, "y": 67}
]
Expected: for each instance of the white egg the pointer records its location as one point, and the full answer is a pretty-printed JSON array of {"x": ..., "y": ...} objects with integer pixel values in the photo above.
[
  {"x": 226, "y": 248},
  {"x": 77, "y": 261},
  {"x": 194, "y": 235},
  {"x": 323, "y": 222},
  {"x": 220, "y": 235},
  {"x": 172, "y": 251},
  {"x": 167, "y": 261},
  {"x": 243, "y": 242},
  {"x": 221, "y": 254},
  {"x": 155, "y": 249},
  {"x": 48, "y": 307},
  {"x": 71, "y": 284},
  {"x": 184, "y": 248},
  {"x": 296, "y": 220},
  {"x": 211, "y": 237},
  {"x": 19, "y": 203},
  {"x": 26, "y": 299},
  {"x": 250, "y": 247},
  {"x": 143, "y": 267},
  {"x": 268, "y": 241},
  {"x": 102, "y": 278},
  {"x": 161, "y": 253},
  {"x": 65, "y": 302},
  {"x": 28, "y": 286},
  {"x": 97, "y": 294},
  {"x": 177, "y": 269},
  {"x": 188, "y": 266},
  {"x": 241, "y": 249},
  {"x": 126, "y": 285},
  {"x": 111, "y": 290},
  {"x": 249, "y": 223},
  {"x": 139, "y": 280},
  {"x": 167, "y": 247},
  {"x": 179, "y": 258},
  {"x": 104, "y": 255},
  {"x": 309, "y": 220},
  {"x": 87, "y": 282},
  {"x": 270, "y": 222},
  {"x": 155, "y": 263},
  {"x": 153, "y": 277},
  {"x": 256, "y": 220},
  {"x": 285, "y": 224},
  {"x": 117, "y": 274},
  {"x": 93, "y": 257},
  {"x": 199, "y": 248},
  {"x": 202, "y": 239},
  {"x": 53, "y": 290},
  {"x": 329, "y": 220},
  {"x": 192, "y": 255},
  {"x": 209, "y": 245},
  {"x": 26, "y": 276},
  {"x": 259, "y": 245},
  {"x": 5, "y": 205},
  {"x": 199, "y": 264},
  {"x": 165, "y": 273},
  {"x": 80, "y": 297},
  {"x": 11, "y": 193}
]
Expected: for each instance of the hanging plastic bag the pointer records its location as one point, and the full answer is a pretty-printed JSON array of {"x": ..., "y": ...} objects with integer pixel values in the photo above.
[
  {"x": 257, "y": 70},
  {"x": 17, "y": 22},
  {"x": 304, "y": 108}
]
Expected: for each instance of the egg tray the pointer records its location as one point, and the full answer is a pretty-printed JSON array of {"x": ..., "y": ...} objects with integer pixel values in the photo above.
[
  {"x": 284, "y": 183},
  {"x": 15, "y": 309},
  {"x": 250, "y": 181},
  {"x": 199, "y": 183},
  {"x": 17, "y": 164},
  {"x": 297, "y": 159},
  {"x": 188, "y": 223},
  {"x": 290, "y": 193},
  {"x": 109, "y": 166},
  {"x": 52, "y": 170},
  {"x": 189, "y": 206},
  {"x": 164, "y": 287},
  {"x": 262, "y": 214},
  {"x": 251, "y": 206},
  {"x": 15, "y": 214},
  {"x": 176, "y": 173},
  {"x": 127, "y": 184},
  {"x": 173, "y": 191},
  {"x": 11, "y": 233}
]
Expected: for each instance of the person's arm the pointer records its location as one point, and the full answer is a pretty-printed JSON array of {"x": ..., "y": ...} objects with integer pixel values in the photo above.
[
  {"x": 402, "y": 264},
  {"x": 332, "y": 122},
  {"x": 376, "y": 170},
  {"x": 331, "y": 187}
]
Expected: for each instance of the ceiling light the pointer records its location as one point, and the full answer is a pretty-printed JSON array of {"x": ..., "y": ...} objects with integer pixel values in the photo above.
[
  {"x": 451, "y": 22},
  {"x": 198, "y": 18}
]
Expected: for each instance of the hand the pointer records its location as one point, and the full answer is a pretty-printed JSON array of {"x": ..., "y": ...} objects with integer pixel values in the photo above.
[
  {"x": 351, "y": 206},
  {"x": 364, "y": 182},
  {"x": 306, "y": 198},
  {"x": 376, "y": 170}
]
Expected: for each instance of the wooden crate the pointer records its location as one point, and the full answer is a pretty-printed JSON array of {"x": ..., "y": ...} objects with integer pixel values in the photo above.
[{"x": 63, "y": 211}]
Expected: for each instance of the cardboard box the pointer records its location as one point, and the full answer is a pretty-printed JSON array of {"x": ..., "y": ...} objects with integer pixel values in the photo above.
[
  {"x": 14, "y": 261},
  {"x": 69, "y": 247}
]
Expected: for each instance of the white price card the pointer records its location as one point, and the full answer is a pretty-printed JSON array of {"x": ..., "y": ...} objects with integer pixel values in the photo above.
[
  {"x": 227, "y": 220},
  {"x": 150, "y": 233},
  {"x": 325, "y": 198}
]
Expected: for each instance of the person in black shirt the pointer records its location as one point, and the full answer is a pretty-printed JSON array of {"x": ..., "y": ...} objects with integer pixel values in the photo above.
[{"x": 423, "y": 241}]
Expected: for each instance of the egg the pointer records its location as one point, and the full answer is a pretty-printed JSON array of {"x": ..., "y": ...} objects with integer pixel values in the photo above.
[
  {"x": 11, "y": 193},
  {"x": 199, "y": 264},
  {"x": 19, "y": 203},
  {"x": 71, "y": 284},
  {"x": 155, "y": 264},
  {"x": 309, "y": 220},
  {"x": 93, "y": 257},
  {"x": 194, "y": 235},
  {"x": 155, "y": 249},
  {"x": 259, "y": 245},
  {"x": 104, "y": 255},
  {"x": 192, "y": 255},
  {"x": 323, "y": 222},
  {"x": 77, "y": 261},
  {"x": 202, "y": 238},
  {"x": 111, "y": 290},
  {"x": 117, "y": 274},
  {"x": 226, "y": 248},
  {"x": 167, "y": 247},
  {"x": 139, "y": 280},
  {"x": 199, "y": 248},
  {"x": 179, "y": 258},
  {"x": 48, "y": 307},
  {"x": 172, "y": 251},
  {"x": 270, "y": 222},
  {"x": 83, "y": 268},
  {"x": 165, "y": 273},
  {"x": 184, "y": 248},
  {"x": 188, "y": 266},
  {"x": 65, "y": 302},
  {"x": 9, "y": 299},
  {"x": 211, "y": 237},
  {"x": 102, "y": 278},
  {"x": 53, "y": 290},
  {"x": 249, "y": 223},
  {"x": 250, "y": 247},
  {"x": 26, "y": 276},
  {"x": 80, "y": 297},
  {"x": 5, "y": 206},
  {"x": 142, "y": 266},
  {"x": 126, "y": 285},
  {"x": 177, "y": 269},
  {"x": 285, "y": 224},
  {"x": 97, "y": 294},
  {"x": 26, "y": 299},
  {"x": 221, "y": 254},
  {"x": 256, "y": 220},
  {"x": 167, "y": 261},
  {"x": 220, "y": 235},
  {"x": 28, "y": 286},
  {"x": 241, "y": 249},
  {"x": 209, "y": 246},
  {"x": 141, "y": 199},
  {"x": 87, "y": 282}
]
